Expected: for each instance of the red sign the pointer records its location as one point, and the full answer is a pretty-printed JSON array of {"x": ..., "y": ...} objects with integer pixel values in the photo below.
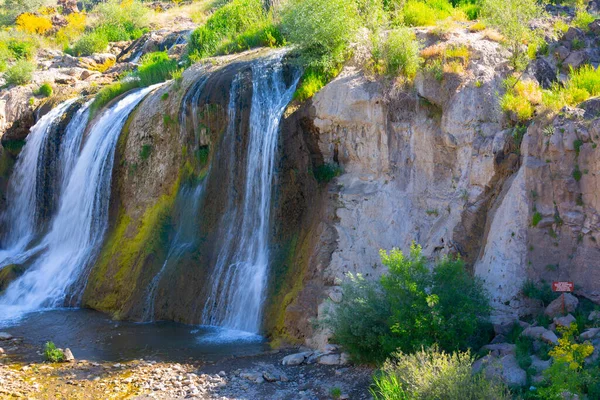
[{"x": 563, "y": 286}]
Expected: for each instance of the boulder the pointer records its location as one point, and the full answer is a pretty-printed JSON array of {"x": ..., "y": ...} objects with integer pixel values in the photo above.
[
  {"x": 296, "y": 359},
  {"x": 541, "y": 333},
  {"x": 574, "y": 60},
  {"x": 69, "y": 355},
  {"x": 543, "y": 72},
  {"x": 505, "y": 368},
  {"x": 573, "y": 33},
  {"x": 565, "y": 321},
  {"x": 590, "y": 334},
  {"x": 561, "y": 52},
  {"x": 594, "y": 315},
  {"x": 5, "y": 336},
  {"x": 555, "y": 308},
  {"x": 595, "y": 26},
  {"x": 540, "y": 365},
  {"x": 501, "y": 349},
  {"x": 329, "y": 359}
]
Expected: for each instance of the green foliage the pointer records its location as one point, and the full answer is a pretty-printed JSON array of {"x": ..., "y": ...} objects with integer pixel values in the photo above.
[
  {"x": 582, "y": 20},
  {"x": 425, "y": 13},
  {"x": 524, "y": 349},
  {"x": 20, "y": 49},
  {"x": 313, "y": 80},
  {"x": 322, "y": 29},
  {"x": 20, "y": 73},
  {"x": 222, "y": 29},
  {"x": 401, "y": 53},
  {"x": 145, "y": 151},
  {"x": 536, "y": 218},
  {"x": 156, "y": 67},
  {"x": 88, "y": 44},
  {"x": 52, "y": 354},
  {"x": 164, "y": 96},
  {"x": 262, "y": 34},
  {"x": 45, "y": 90},
  {"x": 511, "y": 18},
  {"x": 582, "y": 84},
  {"x": 335, "y": 392},
  {"x": 577, "y": 145},
  {"x": 128, "y": 15},
  {"x": 432, "y": 375},
  {"x": 542, "y": 291},
  {"x": 577, "y": 173},
  {"x": 10, "y": 9},
  {"x": 472, "y": 11},
  {"x": 107, "y": 93},
  {"x": 566, "y": 372},
  {"x": 411, "y": 307},
  {"x": 520, "y": 98},
  {"x": 326, "y": 172}
]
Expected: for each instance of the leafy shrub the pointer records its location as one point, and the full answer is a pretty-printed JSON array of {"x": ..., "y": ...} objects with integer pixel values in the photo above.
[
  {"x": 472, "y": 11},
  {"x": 511, "y": 18},
  {"x": 20, "y": 73},
  {"x": 21, "y": 49},
  {"x": 52, "y": 354},
  {"x": 401, "y": 53},
  {"x": 582, "y": 20},
  {"x": 224, "y": 25},
  {"x": 541, "y": 291},
  {"x": 432, "y": 375},
  {"x": 131, "y": 15},
  {"x": 13, "y": 8},
  {"x": 566, "y": 374},
  {"x": 264, "y": 34},
  {"x": 322, "y": 29},
  {"x": 411, "y": 307},
  {"x": 88, "y": 44},
  {"x": 520, "y": 98},
  {"x": 326, "y": 172},
  {"x": 107, "y": 93},
  {"x": 312, "y": 81},
  {"x": 45, "y": 90},
  {"x": 76, "y": 23},
  {"x": 145, "y": 151},
  {"x": 582, "y": 84},
  {"x": 425, "y": 13},
  {"x": 32, "y": 23},
  {"x": 156, "y": 67}
]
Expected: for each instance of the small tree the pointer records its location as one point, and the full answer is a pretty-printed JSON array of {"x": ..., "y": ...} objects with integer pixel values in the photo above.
[
  {"x": 322, "y": 29},
  {"x": 512, "y": 18}
]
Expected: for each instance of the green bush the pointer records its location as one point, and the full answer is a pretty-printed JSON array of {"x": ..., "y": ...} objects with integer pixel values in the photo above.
[
  {"x": 433, "y": 375},
  {"x": 264, "y": 34},
  {"x": 45, "y": 90},
  {"x": 567, "y": 373},
  {"x": 511, "y": 18},
  {"x": 313, "y": 80},
  {"x": 225, "y": 25},
  {"x": 107, "y": 93},
  {"x": 52, "y": 354},
  {"x": 583, "y": 19},
  {"x": 130, "y": 15},
  {"x": 542, "y": 291},
  {"x": 90, "y": 43},
  {"x": 322, "y": 29},
  {"x": 10, "y": 9},
  {"x": 326, "y": 172},
  {"x": 21, "y": 49},
  {"x": 20, "y": 73},
  {"x": 156, "y": 67},
  {"x": 411, "y": 307},
  {"x": 401, "y": 53},
  {"x": 582, "y": 84}
]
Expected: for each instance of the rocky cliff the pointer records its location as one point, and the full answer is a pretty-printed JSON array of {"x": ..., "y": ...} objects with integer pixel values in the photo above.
[{"x": 436, "y": 162}]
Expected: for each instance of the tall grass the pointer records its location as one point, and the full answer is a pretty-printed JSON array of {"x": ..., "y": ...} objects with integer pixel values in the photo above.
[{"x": 582, "y": 84}]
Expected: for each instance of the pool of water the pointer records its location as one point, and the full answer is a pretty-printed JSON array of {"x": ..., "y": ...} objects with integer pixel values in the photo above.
[{"x": 94, "y": 336}]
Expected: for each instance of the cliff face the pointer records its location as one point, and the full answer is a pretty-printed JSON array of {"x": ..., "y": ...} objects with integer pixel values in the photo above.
[{"x": 436, "y": 162}]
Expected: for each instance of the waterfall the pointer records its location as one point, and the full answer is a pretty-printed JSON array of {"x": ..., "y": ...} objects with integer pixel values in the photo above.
[
  {"x": 21, "y": 215},
  {"x": 238, "y": 283},
  {"x": 187, "y": 207},
  {"x": 57, "y": 276}
]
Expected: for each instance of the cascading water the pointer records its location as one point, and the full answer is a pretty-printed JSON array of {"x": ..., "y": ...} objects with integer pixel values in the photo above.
[
  {"x": 58, "y": 273},
  {"x": 21, "y": 215},
  {"x": 239, "y": 279},
  {"x": 187, "y": 207}
]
